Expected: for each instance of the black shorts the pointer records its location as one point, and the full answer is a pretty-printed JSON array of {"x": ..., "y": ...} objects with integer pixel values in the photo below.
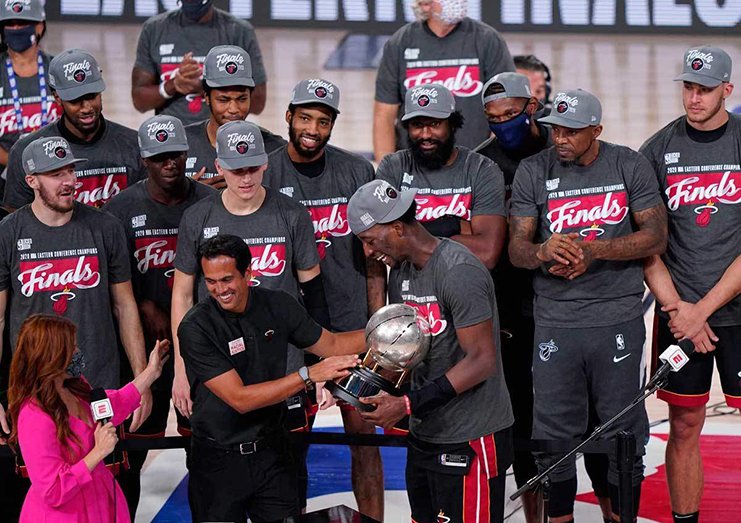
[
  {"x": 461, "y": 483},
  {"x": 227, "y": 486},
  {"x": 690, "y": 387}
]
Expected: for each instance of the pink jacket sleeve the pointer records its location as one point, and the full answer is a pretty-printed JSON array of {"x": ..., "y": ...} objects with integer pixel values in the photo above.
[
  {"x": 56, "y": 480},
  {"x": 124, "y": 401}
]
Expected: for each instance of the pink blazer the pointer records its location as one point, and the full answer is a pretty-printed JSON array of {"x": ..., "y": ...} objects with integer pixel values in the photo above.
[{"x": 63, "y": 491}]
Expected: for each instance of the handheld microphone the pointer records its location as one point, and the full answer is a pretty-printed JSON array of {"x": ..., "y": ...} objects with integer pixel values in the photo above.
[
  {"x": 101, "y": 406},
  {"x": 674, "y": 357}
]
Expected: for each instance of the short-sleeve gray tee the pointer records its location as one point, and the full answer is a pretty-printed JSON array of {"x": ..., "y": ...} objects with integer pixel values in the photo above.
[
  {"x": 166, "y": 38},
  {"x": 595, "y": 201},
  {"x": 701, "y": 187},
  {"x": 202, "y": 154},
  {"x": 472, "y": 186},
  {"x": 453, "y": 291},
  {"x": 462, "y": 61},
  {"x": 326, "y": 196},
  {"x": 67, "y": 271}
]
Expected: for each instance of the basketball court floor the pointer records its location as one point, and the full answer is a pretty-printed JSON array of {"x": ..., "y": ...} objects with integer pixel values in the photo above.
[{"x": 632, "y": 76}]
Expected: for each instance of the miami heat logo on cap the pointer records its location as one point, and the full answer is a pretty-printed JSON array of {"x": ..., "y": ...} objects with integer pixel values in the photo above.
[
  {"x": 231, "y": 68},
  {"x": 242, "y": 147},
  {"x": 17, "y": 7},
  {"x": 60, "y": 152},
  {"x": 320, "y": 92},
  {"x": 391, "y": 193},
  {"x": 697, "y": 64},
  {"x": 423, "y": 101},
  {"x": 161, "y": 136},
  {"x": 79, "y": 76},
  {"x": 562, "y": 107}
]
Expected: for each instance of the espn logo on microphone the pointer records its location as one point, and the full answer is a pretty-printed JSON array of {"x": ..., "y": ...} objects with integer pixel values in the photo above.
[
  {"x": 675, "y": 357},
  {"x": 102, "y": 409}
]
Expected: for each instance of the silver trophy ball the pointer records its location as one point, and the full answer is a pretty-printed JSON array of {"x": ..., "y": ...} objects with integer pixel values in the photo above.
[{"x": 397, "y": 338}]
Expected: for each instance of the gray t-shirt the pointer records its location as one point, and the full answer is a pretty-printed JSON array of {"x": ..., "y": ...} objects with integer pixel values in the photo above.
[
  {"x": 326, "y": 196},
  {"x": 67, "y": 271},
  {"x": 279, "y": 234},
  {"x": 472, "y": 186},
  {"x": 113, "y": 163},
  {"x": 29, "y": 97},
  {"x": 202, "y": 154},
  {"x": 462, "y": 61},
  {"x": 152, "y": 233},
  {"x": 453, "y": 291},
  {"x": 595, "y": 201},
  {"x": 701, "y": 187},
  {"x": 166, "y": 38}
]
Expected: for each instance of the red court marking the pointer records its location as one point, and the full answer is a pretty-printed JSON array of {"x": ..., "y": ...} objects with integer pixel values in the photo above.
[{"x": 721, "y": 458}]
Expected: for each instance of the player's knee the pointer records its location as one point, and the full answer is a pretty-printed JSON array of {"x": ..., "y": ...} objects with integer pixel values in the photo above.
[{"x": 686, "y": 422}]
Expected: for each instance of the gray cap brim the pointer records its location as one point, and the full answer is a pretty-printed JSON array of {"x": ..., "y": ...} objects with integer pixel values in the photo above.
[
  {"x": 176, "y": 147},
  {"x": 701, "y": 79},
  {"x": 316, "y": 102},
  {"x": 499, "y": 97},
  {"x": 240, "y": 163},
  {"x": 64, "y": 163},
  {"x": 402, "y": 205},
  {"x": 73, "y": 93},
  {"x": 29, "y": 18},
  {"x": 230, "y": 82},
  {"x": 563, "y": 122},
  {"x": 441, "y": 115}
]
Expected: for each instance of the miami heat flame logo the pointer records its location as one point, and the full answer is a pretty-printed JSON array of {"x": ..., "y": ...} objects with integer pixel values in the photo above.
[
  {"x": 591, "y": 233},
  {"x": 231, "y": 68},
  {"x": 161, "y": 136},
  {"x": 320, "y": 92},
  {"x": 60, "y": 300},
  {"x": 697, "y": 64},
  {"x": 79, "y": 76},
  {"x": 423, "y": 101},
  {"x": 242, "y": 147},
  {"x": 704, "y": 212},
  {"x": 59, "y": 152}
]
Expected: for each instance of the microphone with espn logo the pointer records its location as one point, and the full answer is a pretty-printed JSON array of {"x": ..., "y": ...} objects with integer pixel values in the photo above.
[
  {"x": 101, "y": 406},
  {"x": 674, "y": 357}
]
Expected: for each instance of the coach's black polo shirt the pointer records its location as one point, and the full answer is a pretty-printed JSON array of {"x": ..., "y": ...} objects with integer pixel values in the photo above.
[{"x": 255, "y": 344}]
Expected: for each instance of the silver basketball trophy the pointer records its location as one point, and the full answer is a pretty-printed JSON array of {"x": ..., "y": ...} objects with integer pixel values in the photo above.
[{"x": 397, "y": 339}]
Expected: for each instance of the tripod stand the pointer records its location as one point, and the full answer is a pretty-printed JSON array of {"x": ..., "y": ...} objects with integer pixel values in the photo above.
[{"x": 625, "y": 448}]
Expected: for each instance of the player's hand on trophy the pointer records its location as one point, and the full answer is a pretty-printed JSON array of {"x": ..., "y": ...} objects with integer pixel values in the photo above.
[
  {"x": 560, "y": 248},
  {"x": 389, "y": 410},
  {"x": 332, "y": 368}
]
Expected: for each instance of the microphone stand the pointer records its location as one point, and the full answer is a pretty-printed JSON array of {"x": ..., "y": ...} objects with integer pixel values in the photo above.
[{"x": 657, "y": 382}]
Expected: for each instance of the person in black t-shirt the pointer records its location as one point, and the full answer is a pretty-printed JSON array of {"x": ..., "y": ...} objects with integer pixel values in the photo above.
[
  {"x": 110, "y": 148},
  {"x": 228, "y": 88},
  {"x": 150, "y": 212},
  {"x": 235, "y": 347}
]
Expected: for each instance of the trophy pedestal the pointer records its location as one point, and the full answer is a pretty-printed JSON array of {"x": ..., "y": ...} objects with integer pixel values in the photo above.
[{"x": 361, "y": 383}]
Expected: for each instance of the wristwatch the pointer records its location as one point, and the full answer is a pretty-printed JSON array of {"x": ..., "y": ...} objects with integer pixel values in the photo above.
[
  {"x": 304, "y": 373},
  {"x": 163, "y": 92}
]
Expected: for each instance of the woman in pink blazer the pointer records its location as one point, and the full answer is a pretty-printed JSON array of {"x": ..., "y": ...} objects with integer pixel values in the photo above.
[{"x": 49, "y": 404}]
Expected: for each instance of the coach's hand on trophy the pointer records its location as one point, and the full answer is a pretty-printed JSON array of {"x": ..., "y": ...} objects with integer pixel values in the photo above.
[
  {"x": 389, "y": 410},
  {"x": 332, "y": 368},
  {"x": 187, "y": 80},
  {"x": 560, "y": 248}
]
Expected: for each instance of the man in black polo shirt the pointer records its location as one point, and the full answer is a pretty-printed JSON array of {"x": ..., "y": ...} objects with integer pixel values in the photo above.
[
  {"x": 235, "y": 347},
  {"x": 111, "y": 149}
]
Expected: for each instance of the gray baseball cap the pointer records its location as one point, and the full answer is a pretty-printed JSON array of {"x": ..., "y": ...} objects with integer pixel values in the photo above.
[
  {"x": 510, "y": 85},
  {"x": 706, "y": 65},
  {"x": 162, "y": 134},
  {"x": 239, "y": 144},
  {"x": 377, "y": 202},
  {"x": 433, "y": 101},
  {"x": 575, "y": 109},
  {"x": 75, "y": 73},
  {"x": 228, "y": 66},
  {"x": 316, "y": 91},
  {"x": 31, "y": 10},
  {"x": 47, "y": 154}
]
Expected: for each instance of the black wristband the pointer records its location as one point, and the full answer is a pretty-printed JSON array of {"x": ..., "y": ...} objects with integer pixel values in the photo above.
[
  {"x": 315, "y": 301},
  {"x": 443, "y": 227},
  {"x": 431, "y": 396}
]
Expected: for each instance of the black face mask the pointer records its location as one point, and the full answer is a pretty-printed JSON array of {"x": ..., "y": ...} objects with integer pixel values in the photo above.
[
  {"x": 194, "y": 10},
  {"x": 20, "y": 39},
  {"x": 76, "y": 365}
]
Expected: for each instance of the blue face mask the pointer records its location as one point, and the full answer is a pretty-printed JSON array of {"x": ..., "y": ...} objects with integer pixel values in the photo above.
[
  {"x": 76, "y": 365},
  {"x": 20, "y": 39},
  {"x": 512, "y": 133},
  {"x": 194, "y": 10}
]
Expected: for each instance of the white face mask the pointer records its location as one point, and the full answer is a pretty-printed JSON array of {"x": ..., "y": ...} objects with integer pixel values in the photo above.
[{"x": 453, "y": 11}]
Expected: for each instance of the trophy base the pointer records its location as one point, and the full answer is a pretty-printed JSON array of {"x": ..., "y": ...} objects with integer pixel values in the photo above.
[{"x": 361, "y": 383}]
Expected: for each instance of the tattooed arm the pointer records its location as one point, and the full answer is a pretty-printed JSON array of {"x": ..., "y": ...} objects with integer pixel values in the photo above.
[
  {"x": 650, "y": 239},
  {"x": 525, "y": 254}
]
